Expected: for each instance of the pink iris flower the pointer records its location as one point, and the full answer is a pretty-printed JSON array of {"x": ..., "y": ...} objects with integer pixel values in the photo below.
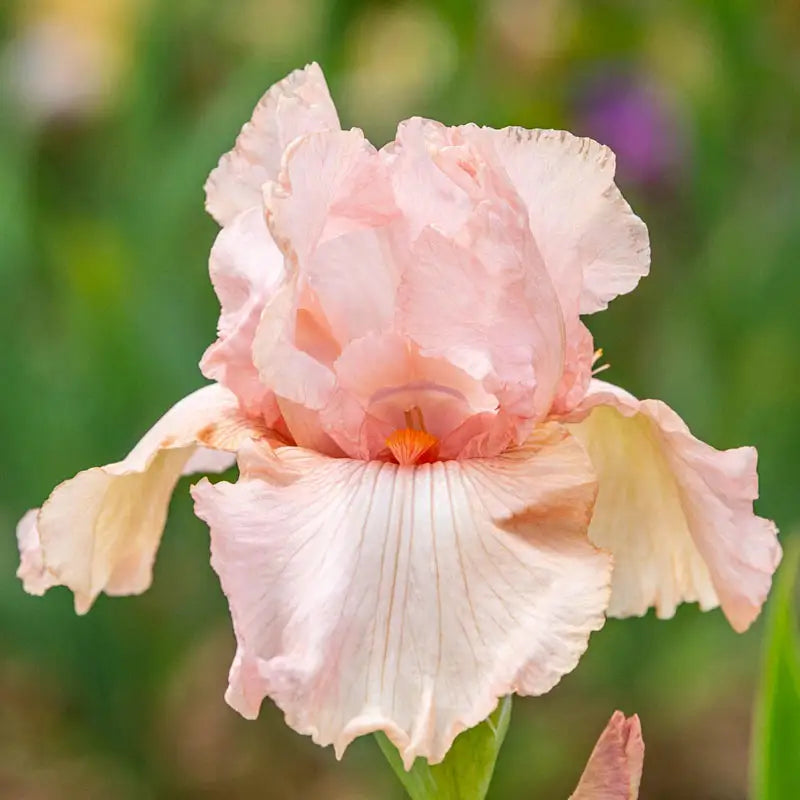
[{"x": 437, "y": 503}]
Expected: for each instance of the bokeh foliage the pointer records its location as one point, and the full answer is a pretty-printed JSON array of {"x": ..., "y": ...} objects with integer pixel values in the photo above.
[
  {"x": 776, "y": 734},
  {"x": 106, "y": 308}
]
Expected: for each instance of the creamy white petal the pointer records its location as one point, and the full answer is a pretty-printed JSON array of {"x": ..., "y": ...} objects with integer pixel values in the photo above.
[
  {"x": 100, "y": 530},
  {"x": 367, "y": 596},
  {"x": 676, "y": 513},
  {"x": 206, "y": 459}
]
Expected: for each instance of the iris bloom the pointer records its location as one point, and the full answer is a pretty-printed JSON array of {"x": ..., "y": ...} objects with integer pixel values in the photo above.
[{"x": 437, "y": 503}]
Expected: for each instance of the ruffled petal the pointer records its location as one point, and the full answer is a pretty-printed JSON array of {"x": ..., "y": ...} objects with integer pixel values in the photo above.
[
  {"x": 593, "y": 245},
  {"x": 306, "y": 428},
  {"x": 676, "y": 513},
  {"x": 614, "y": 771},
  {"x": 246, "y": 270},
  {"x": 330, "y": 211},
  {"x": 369, "y": 596},
  {"x": 100, "y": 530},
  {"x": 579, "y": 359},
  {"x": 425, "y": 193},
  {"x": 325, "y": 212},
  {"x": 35, "y": 578},
  {"x": 585, "y": 236},
  {"x": 379, "y": 377},
  {"x": 297, "y": 105},
  {"x": 290, "y": 371},
  {"x": 205, "y": 459},
  {"x": 479, "y": 301},
  {"x": 452, "y": 181}
]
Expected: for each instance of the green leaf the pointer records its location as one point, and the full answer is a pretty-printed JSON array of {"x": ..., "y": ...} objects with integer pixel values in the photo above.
[
  {"x": 467, "y": 769},
  {"x": 776, "y": 740}
]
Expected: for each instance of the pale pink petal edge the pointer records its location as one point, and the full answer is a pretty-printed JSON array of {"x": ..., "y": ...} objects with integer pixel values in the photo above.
[{"x": 294, "y": 106}]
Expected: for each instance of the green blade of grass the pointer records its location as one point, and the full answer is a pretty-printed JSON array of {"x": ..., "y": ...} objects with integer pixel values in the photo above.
[{"x": 776, "y": 739}]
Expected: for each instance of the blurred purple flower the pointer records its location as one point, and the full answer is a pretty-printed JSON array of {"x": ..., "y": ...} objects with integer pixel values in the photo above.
[{"x": 636, "y": 120}]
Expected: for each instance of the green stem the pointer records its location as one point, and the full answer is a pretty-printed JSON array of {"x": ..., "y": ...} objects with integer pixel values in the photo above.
[{"x": 466, "y": 772}]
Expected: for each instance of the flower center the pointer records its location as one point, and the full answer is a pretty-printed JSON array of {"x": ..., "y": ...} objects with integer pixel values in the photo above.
[{"x": 413, "y": 444}]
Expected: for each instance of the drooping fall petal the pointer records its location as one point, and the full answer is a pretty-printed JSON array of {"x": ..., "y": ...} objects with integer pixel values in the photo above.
[
  {"x": 676, "y": 514},
  {"x": 100, "y": 530},
  {"x": 614, "y": 771},
  {"x": 297, "y": 105},
  {"x": 371, "y": 596}
]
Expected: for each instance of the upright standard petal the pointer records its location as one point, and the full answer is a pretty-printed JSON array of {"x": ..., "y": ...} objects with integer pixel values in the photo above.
[
  {"x": 483, "y": 301},
  {"x": 295, "y": 106},
  {"x": 324, "y": 212},
  {"x": 594, "y": 246},
  {"x": 287, "y": 369},
  {"x": 443, "y": 178},
  {"x": 329, "y": 212},
  {"x": 614, "y": 771},
  {"x": 579, "y": 359},
  {"x": 425, "y": 193},
  {"x": 676, "y": 514},
  {"x": 100, "y": 530},
  {"x": 247, "y": 270},
  {"x": 371, "y": 596}
]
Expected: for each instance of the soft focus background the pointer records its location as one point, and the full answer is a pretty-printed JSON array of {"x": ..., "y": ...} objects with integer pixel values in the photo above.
[{"x": 111, "y": 115}]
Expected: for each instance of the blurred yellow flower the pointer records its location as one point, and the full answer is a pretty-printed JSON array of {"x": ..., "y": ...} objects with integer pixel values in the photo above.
[
  {"x": 67, "y": 57},
  {"x": 401, "y": 56}
]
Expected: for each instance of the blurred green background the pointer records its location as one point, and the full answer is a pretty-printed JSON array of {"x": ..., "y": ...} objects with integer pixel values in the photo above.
[{"x": 111, "y": 116}]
